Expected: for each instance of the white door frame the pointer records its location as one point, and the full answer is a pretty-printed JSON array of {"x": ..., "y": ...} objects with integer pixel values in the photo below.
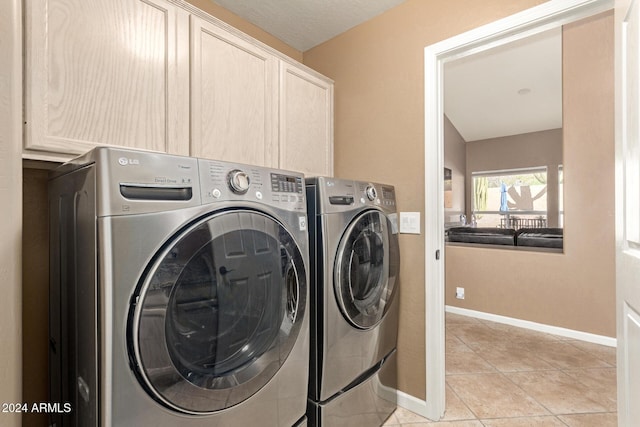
[
  {"x": 551, "y": 14},
  {"x": 11, "y": 194},
  {"x": 627, "y": 19}
]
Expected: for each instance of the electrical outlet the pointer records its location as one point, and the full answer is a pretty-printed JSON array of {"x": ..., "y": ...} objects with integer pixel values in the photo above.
[{"x": 460, "y": 293}]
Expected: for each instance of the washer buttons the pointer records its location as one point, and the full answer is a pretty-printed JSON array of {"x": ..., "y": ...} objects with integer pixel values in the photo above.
[{"x": 216, "y": 193}]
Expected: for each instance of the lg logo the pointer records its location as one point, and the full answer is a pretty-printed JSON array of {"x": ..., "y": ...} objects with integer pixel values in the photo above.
[{"x": 123, "y": 161}]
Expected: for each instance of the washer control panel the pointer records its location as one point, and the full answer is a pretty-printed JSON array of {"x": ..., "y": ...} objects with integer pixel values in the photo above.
[
  {"x": 223, "y": 181},
  {"x": 135, "y": 182}
]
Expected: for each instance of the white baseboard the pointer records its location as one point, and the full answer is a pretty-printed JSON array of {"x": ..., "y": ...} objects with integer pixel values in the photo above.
[{"x": 540, "y": 327}]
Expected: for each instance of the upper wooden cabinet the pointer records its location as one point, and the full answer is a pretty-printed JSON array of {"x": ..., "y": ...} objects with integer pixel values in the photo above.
[
  {"x": 162, "y": 75},
  {"x": 306, "y": 122},
  {"x": 105, "y": 72},
  {"x": 234, "y": 109}
]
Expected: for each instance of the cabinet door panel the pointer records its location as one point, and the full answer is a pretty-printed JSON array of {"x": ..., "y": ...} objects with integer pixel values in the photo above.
[
  {"x": 306, "y": 122},
  {"x": 233, "y": 87},
  {"x": 105, "y": 72}
]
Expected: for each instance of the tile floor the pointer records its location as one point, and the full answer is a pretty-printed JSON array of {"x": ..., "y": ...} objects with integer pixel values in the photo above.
[{"x": 503, "y": 376}]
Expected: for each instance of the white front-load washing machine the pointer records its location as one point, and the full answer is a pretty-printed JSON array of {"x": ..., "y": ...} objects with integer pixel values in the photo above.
[
  {"x": 354, "y": 258},
  {"x": 178, "y": 292}
]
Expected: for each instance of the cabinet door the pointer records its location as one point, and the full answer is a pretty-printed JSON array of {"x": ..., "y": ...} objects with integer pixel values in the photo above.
[
  {"x": 106, "y": 72},
  {"x": 306, "y": 122},
  {"x": 233, "y": 97}
]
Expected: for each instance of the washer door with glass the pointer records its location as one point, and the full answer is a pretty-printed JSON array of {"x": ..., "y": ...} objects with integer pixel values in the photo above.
[
  {"x": 366, "y": 268},
  {"x": 218, "y": 311}
]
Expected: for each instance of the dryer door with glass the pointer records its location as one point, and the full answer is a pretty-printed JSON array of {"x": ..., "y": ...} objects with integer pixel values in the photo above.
[
  {"x": 217, "y": 311},
  {"x": 366, "y": 268}
]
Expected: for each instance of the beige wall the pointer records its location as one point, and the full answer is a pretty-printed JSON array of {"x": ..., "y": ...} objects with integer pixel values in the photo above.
[
  {"x": 527, "y": 150},
  {"x": 379, "y": 126},
  {"x": 455, "y": 158},
  {"x": 246, "y": 27},
  {"x": 574, "y": 290}
]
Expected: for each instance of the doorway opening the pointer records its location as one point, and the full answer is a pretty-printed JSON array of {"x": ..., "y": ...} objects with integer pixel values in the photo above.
[{"x": 549, "y": 15}]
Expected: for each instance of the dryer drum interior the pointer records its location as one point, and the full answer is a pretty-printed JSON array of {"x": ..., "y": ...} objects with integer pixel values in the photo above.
[
  {"x": 367, "y": 264},
  {"x": 218, "y": 311}
]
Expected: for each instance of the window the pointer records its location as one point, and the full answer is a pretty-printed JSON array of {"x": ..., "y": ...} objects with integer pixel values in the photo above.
[
  {"x": 560, "y": 197},
  {"x": 510, "y": 199}
]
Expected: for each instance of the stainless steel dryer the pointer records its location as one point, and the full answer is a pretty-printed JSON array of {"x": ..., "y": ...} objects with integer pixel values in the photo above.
[
  {"x": 354, "y": 303},
  {"x": 178, "y": 293}
]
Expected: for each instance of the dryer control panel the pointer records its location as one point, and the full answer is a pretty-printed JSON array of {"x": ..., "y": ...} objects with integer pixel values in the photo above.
[
  {"x": 379, "y": 194},
  {"x": 340, "y": 195}
]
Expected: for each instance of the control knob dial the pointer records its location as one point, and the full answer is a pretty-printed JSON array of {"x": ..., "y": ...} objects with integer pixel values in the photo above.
[
  {"x": 371, "y": 192},
  {"x": 238, "y": 181}
]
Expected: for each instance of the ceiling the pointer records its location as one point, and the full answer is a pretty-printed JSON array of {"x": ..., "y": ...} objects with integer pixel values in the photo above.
[
  {"x": 303, "y": 24},
  {"x": 508, "y": 90}
]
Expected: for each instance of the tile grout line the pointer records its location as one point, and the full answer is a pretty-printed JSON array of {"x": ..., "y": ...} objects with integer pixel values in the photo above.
[
  {"x": 462, "y": 401},
  {"x": 591, "y": 353},
  {"x": 534, "y": 399}
]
